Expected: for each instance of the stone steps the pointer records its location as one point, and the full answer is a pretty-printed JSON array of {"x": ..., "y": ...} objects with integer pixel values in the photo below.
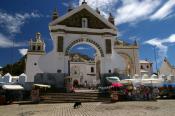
[{"x": 72, "y": 97}]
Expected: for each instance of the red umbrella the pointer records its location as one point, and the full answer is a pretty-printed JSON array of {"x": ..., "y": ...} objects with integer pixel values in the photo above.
[{"x": 117, "y": 84}]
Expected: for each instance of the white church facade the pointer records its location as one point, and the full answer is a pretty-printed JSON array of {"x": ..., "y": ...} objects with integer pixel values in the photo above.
[{"x": 82, "y": 25}]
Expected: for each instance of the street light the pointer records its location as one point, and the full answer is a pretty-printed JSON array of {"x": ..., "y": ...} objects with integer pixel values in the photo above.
[{"x": 155, "y": 58}]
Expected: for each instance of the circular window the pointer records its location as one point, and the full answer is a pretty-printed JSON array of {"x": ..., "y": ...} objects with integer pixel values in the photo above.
[
  {"x": 147, "y": 66},
  {"x": 35, "y": 63}
]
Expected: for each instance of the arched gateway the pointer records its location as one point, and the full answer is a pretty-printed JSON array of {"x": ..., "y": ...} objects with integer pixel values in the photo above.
[
  {"x": 86, "y": 41},
  {"x": 80, "y": 25}
]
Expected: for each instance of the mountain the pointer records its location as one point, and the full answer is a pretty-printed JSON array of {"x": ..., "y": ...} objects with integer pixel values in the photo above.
[
  {"x": 16, "y": 68},
  {"x": 77, "y": 57}
]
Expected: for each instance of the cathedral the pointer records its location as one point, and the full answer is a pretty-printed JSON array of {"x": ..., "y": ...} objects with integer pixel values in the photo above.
[{"x": 81, "y": 25}]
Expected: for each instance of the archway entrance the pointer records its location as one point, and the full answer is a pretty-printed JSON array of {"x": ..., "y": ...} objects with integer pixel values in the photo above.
[{"x": 85, "y": 62}]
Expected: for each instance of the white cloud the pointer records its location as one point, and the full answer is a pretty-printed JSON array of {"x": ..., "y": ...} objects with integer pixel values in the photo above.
[
  {"x": 100, "y": 3},
  {"x": 162, "y": 49},
  {"x": 161, "y": 44},
  {"x": 154, "y": 42},
  {"x": 6, "y": 42},
  {"x": 82, "y": 48},
  {"x": 164, "y": 11},
  {"x": 23, "y": 51},
  {"x": 170, "y": 39},
  {"x": 1, "y": 67},
  {"x": 105, "y": 6},
  {"x": 135, "y": 10},
  {"x": 65, "y": 4},
  {"x": 13, "y": 23}
]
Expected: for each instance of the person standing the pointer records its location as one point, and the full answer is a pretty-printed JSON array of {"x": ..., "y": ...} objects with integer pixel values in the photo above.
[{"x": 35, "y": 95}]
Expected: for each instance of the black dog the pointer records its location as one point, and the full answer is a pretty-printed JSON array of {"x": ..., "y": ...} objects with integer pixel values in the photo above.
[{"x": 77, "y": 104}]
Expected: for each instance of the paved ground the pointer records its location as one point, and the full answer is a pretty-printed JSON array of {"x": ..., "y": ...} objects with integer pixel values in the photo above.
[{"x": 159, "y": 108}]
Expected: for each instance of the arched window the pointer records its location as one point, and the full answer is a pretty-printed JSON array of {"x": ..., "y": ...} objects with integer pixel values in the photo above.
[
  {"x": 39, "y": 48},
  {"x": 33, "y": 48},
  {"x": 92, "y": 69},
  {"x": 59, "y": 71},
  {"x": 35, "y": 63},
  {"x": 141, "y": 67},
  {"x": 84, "y": 23},
  {"x": 109, "y": 71},
  {"x": 147, "y": 66}
]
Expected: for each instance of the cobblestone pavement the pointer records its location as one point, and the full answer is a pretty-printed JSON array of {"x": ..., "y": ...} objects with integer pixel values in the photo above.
[{"x": 159, "y": 108}]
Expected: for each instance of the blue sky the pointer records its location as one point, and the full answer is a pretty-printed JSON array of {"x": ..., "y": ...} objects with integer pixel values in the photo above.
[{"x": 150, "y": 22}]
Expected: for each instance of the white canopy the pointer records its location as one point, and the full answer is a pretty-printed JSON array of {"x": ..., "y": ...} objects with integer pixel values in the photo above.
[
  {"x": 152, "y": 82},
  {"x": 8, "y": 74},
  {"x": 136, "y": 76},
  {"x": 113, "y": 79},
  {"x": 23, "y": 75},
  {"x": 42, "y": 85},
  {"x": 7, "y": 78},
  {"x": 154, "y": 76},
  {"x": 145, "y": 76},
  {"x": 12, "y": 87}
]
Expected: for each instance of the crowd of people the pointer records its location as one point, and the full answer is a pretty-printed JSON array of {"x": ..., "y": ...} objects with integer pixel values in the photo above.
[{"x": 141, "y": 92}]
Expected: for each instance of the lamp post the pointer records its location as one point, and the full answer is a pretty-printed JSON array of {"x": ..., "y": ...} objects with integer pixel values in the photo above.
[
  {"x": 155, "y": 58},
  {"x": 134, "y": 60}
]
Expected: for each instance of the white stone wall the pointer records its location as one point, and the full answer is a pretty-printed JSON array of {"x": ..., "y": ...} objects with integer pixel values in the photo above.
[
  {"x": 84, "y": 72},
  {"x": 149, "y": 69},
  {"x": 166, "y": 69},
  {"x": 53, "y": 61},
  {"x": 134, "y": 55},
  {"x": 31, "y": 69}
]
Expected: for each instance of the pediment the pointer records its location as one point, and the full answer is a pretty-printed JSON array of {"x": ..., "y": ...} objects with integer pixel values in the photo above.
[{"x": 74, "y": 19}]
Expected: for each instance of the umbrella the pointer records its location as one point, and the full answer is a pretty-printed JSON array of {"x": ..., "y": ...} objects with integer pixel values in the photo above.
[
  {"x": 117, "y": 85},
  {"x": 113, "y": 79},
  {"x": 154, "y": 76}
]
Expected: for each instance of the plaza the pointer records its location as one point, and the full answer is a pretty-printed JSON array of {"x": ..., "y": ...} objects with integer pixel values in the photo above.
[{"x": 144, "y": 108}]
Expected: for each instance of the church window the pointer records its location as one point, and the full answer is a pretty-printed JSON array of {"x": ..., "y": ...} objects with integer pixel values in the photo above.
[
  {"x": 33, "y": 48},
  {"x": 84, "y": 23},
  {"x": 60, "y": 42},
  {"x": 92, "y": 69},
  {"x": 75, "y": 72},
  {"x": 109, "y": 71},
  {"x": 108, "y": 46},
  {"x": 39, "y": 48},
  {"x": 147, "y": 66},
  {"x": 141, "y": 67},
  {"x": 35, "y": 63},
  {"x": 59, "y": 71}
]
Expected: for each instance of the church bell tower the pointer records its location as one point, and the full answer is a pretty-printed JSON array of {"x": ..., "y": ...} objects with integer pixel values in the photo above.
[{"x": 35, "y": 51}]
